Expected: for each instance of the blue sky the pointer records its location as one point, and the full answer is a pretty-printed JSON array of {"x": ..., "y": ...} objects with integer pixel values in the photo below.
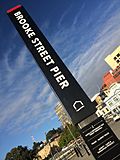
[{"x": 82, "y": 32}]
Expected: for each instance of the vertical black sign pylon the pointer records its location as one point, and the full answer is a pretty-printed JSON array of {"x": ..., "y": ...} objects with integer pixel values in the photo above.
[{"x": 72, "y": 96}]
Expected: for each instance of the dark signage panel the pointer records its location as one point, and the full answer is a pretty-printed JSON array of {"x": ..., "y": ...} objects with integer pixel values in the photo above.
[
  {"x": 101, "y": 140},
  {"x": 72, "y": 96}
]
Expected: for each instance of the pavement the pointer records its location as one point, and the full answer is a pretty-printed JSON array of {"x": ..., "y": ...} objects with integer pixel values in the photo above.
[
  {"x": 115, "y": 126},
  {"x": 85, "y": 157}
]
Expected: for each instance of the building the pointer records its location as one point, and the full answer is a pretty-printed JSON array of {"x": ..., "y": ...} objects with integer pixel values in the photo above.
[
  {"x": 46, "y": 150},
  {"x": 113, "y": 100},
  {"x": 111, "y": 77},
  {"x": 99, "y": 99},
  {"x": 110, "y": 106},
  {"x": 108, "y": 99},
  {"x": 113, "y": 59},
  {"x": 102, "y": 109},
  {"x": 108, "y": 79},
  {"x": 116, "y": 73},
  {"x": 93, "y": 99},
  {"x": 62, "y": 115},
  {"x": 99, "y": 105}
]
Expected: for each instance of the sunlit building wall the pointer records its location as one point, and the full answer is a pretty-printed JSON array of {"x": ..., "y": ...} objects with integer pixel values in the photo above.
[
  {"x": 113, "y": 59},
  {"x": 62, "y": 115}
]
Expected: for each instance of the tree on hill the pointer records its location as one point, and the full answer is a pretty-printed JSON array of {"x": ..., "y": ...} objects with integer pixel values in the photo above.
[
  {"x": 53, "y": 132},
  {"x": 66, "y": 136},
  {"x": 37, "y": 146},
  {"x": 59, "y": 130},
  {"x": 19, "y": 153}
]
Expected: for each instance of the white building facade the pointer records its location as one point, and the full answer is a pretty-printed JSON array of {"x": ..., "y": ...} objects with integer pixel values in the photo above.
[
  {"x": 110, "y": 107},
  {"x": 113, "y": 100}
]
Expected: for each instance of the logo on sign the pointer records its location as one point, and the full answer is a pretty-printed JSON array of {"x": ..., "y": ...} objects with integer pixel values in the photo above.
[{"x": 78, "y": 105}]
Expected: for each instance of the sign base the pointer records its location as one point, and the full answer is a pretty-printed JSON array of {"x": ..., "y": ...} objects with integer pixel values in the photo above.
[{"x": 101, "y": 140}]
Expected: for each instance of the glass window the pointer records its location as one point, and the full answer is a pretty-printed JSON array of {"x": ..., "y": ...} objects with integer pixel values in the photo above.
[
  {"x": 118, "y": 61},
  {"x": 118, "y": 55},
  {"x": 110, "y": 103},
  {"x": 103, "y": 112},
  {"x": 115, "y": 99},
  {"x": 117, "y": 111}
]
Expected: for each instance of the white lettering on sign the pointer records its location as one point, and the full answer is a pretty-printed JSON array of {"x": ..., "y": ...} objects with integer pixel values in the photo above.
[
  {"x": 41, "y": 50},
  {"x": 59, "y": 77}
]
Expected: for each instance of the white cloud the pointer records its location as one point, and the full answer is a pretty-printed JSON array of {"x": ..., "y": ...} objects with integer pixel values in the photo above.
[
  {"x": 76, "y": 19},
  {"x": 64, "y": 15},
  {"x": 45, "y": 25},
  {"x": 87, "y": 63},
  {"x": 45, "y": 91}
]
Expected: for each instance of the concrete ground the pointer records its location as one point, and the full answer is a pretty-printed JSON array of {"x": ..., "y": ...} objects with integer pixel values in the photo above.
[
  {"x": 115, "y": 126},
  {"x": 86, "y": 157}
]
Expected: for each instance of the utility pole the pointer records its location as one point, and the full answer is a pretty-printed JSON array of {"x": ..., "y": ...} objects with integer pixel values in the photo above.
[{"x": 72, "y": 134}]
